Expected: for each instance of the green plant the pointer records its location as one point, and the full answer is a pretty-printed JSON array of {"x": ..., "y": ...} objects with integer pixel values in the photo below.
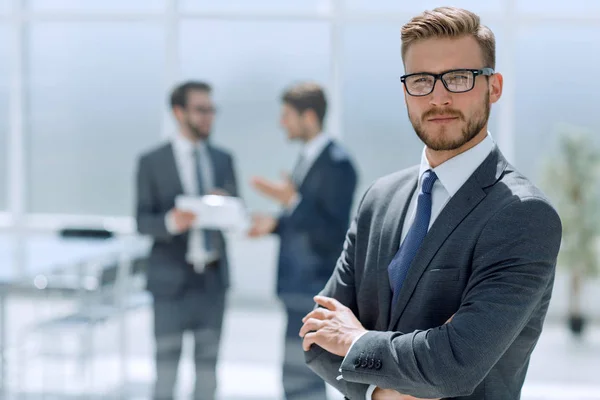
[{"x": 571, "y": 180}]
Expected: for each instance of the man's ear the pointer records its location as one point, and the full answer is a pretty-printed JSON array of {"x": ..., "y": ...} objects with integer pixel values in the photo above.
[
  {"x": 496, "y": 83},
  {"x": 178, "y": 112},
  {"x": 310, "y": 116}
]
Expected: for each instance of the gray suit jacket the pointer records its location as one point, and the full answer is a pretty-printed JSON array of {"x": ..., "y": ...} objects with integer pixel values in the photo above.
[
  {"x": 158, "y": 185},
  {"x": 488, "y": 259}
]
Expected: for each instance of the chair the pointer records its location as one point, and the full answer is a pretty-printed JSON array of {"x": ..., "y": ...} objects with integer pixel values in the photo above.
[{"x": 103, "y": 291}]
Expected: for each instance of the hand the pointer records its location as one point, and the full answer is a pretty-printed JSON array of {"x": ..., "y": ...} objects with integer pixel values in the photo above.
[
  {"x": 333, "y": 328},
  {"x": 283, "y": 192},
  {"x": 183, "y": 219},
  {"x": 262, "y": 225},
  {"x": 389, "y": 394},
  {"x": 219, "y": 192}
]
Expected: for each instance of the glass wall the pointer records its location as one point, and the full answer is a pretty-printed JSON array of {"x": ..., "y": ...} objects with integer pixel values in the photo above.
[
  {"x": 556, "y": 85},
  {"x": 98, "y": 73},
  {"x": 415, "y": 7},
  {"x": 4, "y": 6},
  {"x": 96, "y": 6},
  {"x": 268, "y": 6},
  {"x": 96, "y": 96},
  {"x": 4, "y": 113}
]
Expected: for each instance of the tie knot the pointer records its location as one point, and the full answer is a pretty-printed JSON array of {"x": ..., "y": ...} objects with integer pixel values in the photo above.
[{"x": 429, "y": 178}]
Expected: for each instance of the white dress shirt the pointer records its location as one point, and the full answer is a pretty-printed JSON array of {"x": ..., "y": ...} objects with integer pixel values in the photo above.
[
  {"x": 310, "y": 152},
  {"x": 452, "y": 175},
  {"x": 183, "y": 150}
]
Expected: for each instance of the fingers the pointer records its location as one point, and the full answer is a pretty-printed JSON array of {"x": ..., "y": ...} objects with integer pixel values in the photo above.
[
  {"x": 183, "y": 214},
  {"x": 449, "y": 319},
  {"x": 219, "y": 192},
  {"x": 267, "y": 188},
  {"x": 319, "y": 313},
  {"x": 328, "y": 302},
  {"x": 310, "y": 325},
  {"x": 309, "y": 339},
  {"x": 261, "y": 183}
]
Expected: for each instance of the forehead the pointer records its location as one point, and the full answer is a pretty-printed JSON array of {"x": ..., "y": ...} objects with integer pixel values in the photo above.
[
  {"x": 198, "y": 97},
  {"x": 288, "y": 109},
  {"x": 441, "y": 54}
]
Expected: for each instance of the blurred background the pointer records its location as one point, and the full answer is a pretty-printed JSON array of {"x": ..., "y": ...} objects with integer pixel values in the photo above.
[{"x": 84, "y": 86}]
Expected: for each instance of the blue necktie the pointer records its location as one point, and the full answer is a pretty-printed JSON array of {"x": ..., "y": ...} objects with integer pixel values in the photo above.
[
  {"x": 398, "y": 268},
  {"x": 208, "y": 243}
]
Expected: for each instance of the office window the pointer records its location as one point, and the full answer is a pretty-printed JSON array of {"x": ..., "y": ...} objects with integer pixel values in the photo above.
[
  {"x": 415, "y": 7},
  {"x": 256, "y": 5},
  {"x": 4, "y": 115},
  {"x": 559, "y": 7},
  {"x": 94, "y": 6},
  {"x": 96, "y": 100},
  {"x": 376, "y": 124},
  {"x": 4, "y": 6},
  {"x": 556, "y": 85},
  {"x": 249, "y": 65}
]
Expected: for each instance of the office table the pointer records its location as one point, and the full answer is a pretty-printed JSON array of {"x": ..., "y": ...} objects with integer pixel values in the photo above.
[{"x": 41, "y": 258}]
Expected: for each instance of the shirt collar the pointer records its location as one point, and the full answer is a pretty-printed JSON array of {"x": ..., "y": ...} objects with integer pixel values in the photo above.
[
  {"x": 453, "y": 173},
  {"x": 185, "y": 145},
  {"x": 315, "y": 146}
]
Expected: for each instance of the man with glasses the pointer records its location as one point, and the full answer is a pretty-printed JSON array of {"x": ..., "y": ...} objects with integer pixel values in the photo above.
[
  {"x": 187, "y": 267},
  {"x": 447, "y": 270}
]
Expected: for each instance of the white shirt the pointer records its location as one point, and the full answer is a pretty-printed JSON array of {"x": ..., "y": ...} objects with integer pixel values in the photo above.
[
  {"x": 452, "y": 175},
  {"x": 310, "y": 152},
  {"x": 183, "y": 150}
]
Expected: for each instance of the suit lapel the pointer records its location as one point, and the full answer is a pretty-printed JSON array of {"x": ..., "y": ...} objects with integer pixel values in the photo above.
[
  {"x": 389, "y": 243},
  {"x": 459, "y": 206},
  {"x": 455, "y": 211},
  {"x": 316, "y": 165},
  {"x": 171, "y": 169}
]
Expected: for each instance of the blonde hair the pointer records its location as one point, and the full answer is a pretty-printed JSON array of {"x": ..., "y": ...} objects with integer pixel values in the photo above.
[{"x": 450, "y": 22}]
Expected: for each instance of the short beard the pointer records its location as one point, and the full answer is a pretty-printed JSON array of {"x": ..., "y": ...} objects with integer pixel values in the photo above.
[
  {"x": 474, "y": 126},
  {"x": 197, "y": 133}
]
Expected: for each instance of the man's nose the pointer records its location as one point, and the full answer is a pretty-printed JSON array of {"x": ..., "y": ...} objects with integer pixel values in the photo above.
[{"x": 440, "y": 95}]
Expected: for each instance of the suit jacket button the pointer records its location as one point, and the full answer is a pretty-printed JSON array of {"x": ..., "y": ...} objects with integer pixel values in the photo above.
[
  {"x": 357, "y": 362},
  {"x": 378, "y": 365},
  {"x": 371, "y": 363},
  {"x": 364, "y": 363}
]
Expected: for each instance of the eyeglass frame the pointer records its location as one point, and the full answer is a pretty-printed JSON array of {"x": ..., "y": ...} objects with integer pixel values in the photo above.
[
  {"x": 212, "y": 110},
  {"x": 476, "y": 72}
]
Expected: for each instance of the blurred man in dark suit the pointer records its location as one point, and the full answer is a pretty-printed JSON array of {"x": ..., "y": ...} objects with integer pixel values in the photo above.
[
  {"x": 317, "y": 201},
  {"x": 187, "y": 267}
]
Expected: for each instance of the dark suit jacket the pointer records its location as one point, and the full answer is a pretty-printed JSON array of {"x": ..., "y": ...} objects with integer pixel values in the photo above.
[
  {"x": 158, "y": 185},
  {"x": 489, "y": 259},
  {"x": 312, "y": 236}
]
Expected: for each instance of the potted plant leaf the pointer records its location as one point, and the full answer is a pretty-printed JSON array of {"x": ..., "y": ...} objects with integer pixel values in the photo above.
[{"x": 571, "y": 181}]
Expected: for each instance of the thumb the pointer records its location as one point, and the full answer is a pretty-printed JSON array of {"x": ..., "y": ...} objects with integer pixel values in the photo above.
[{"x": 286, "y": 176}]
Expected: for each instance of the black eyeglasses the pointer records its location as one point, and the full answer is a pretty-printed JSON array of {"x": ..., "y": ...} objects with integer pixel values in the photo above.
[
  {"x": 206, "y": 110},
  {"x": 455, "y": 81}
]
